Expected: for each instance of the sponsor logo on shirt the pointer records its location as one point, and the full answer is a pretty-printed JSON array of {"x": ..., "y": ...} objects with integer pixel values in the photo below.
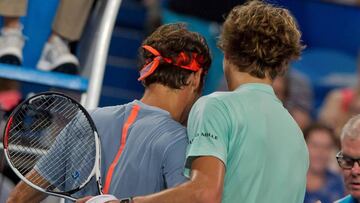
[{"x": 207, "y": 135}]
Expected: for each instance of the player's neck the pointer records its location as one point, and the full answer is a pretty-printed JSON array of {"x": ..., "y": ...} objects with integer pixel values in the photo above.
[
  {"x": 236, "y": 78},
  {"x": 165, "y": 98}
]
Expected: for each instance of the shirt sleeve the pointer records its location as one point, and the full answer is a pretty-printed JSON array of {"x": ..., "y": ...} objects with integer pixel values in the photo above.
[
  {"x": 208, "y": 128},
  {"x": 173, "y": 165}
]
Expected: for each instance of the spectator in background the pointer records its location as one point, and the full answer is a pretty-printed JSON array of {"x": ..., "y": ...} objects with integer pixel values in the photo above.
[
  {"x": 295, "y": 92},
  {"x": 340, "y": 105},
  {"x": 347, "y": 2},
  {"x": 348, "y": 159},
  {"x": 10, "y": 95},
  {"x": 322, "y": 184},
  {"x": 67, "y": 26}
]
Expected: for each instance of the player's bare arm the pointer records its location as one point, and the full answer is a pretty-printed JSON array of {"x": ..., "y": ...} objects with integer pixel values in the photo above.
[{"x": 24, "y": 193}]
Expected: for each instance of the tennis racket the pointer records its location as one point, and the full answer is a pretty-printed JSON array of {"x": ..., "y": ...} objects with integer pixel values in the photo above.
[{"x": 52, "y": 144}]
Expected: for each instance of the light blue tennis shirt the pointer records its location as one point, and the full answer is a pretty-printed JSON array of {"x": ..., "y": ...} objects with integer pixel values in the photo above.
[
  {"x": 259, "y": 143},
  {"x": 154, "y": 155}
]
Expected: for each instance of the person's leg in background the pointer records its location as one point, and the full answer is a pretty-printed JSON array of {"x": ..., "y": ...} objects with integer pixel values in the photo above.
[
  {"x": 68, "y": 26},
  {"x": 11, "y": 47},
  {"x": 11, "y": 38}
]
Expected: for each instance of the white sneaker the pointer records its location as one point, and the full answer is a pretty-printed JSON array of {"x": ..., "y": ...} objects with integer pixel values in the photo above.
[
  {"x": 11, "y": 46},
  {"x": 56, "y": 57}
]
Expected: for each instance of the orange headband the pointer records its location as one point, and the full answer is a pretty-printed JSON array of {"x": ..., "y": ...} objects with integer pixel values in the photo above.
[{"x": 151, "y": 66}]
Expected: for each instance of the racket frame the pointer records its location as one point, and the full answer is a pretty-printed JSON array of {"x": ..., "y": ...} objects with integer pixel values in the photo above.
[{"x": 96, "y": 171}]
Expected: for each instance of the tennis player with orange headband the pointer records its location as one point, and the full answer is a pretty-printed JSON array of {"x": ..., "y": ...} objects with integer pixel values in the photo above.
[{"x": 143, "y": 142}]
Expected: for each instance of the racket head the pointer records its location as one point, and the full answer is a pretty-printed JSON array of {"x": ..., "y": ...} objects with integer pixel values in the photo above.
[{"x": 51, "y": 143}]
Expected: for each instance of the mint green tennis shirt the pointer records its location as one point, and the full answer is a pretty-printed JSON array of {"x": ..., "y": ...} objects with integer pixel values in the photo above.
[{"x": 260, "y": 144}]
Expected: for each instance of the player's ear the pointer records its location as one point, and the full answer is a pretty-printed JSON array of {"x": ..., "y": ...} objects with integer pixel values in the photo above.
[{"x": 197, "y": 79}]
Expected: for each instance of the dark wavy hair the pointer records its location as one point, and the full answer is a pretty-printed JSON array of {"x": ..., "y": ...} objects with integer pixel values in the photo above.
[
  {"x": 170, "y": 40},
  {"x": 260, "y": 39},
  {"x": 321, "y": 127}
]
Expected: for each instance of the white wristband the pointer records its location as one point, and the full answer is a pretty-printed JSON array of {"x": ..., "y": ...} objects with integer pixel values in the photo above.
[{"x": 101, "y": 199}]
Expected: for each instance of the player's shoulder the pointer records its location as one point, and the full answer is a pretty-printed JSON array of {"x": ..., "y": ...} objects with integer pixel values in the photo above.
[
  {"x": 152, "y": 117},
  {"x": 159, "y": 122},
  {"x": 221, "y": 95},
  {"x": 166, "y": 132},
  {"x": 172, "y": 128},
  {"x": 213, "y": 100},
  {"x": 107, "y": 113}
]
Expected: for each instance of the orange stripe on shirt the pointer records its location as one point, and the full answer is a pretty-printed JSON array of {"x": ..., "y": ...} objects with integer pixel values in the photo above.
[{"x": 128, "y": 123}]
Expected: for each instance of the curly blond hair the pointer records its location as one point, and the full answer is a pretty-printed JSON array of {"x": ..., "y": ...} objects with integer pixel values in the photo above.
[{"x": 260, "y": 39}]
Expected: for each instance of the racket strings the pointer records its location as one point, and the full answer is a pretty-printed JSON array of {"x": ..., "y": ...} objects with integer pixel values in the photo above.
[
  {"x": 22, "y": 114},
  {"x": 84, "y": 154},
  {"x": 82, "y": 148},
  {"x": 36, "y": 143},
  {"x": 31, "y": 135},
  {"x": 19, "y": 130},
  {"x": 35, "y": 146},
  {"x": 65, "y": 155},
  {"x": 55, "y": 138},
  {"x": 50, "y": 171}
]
